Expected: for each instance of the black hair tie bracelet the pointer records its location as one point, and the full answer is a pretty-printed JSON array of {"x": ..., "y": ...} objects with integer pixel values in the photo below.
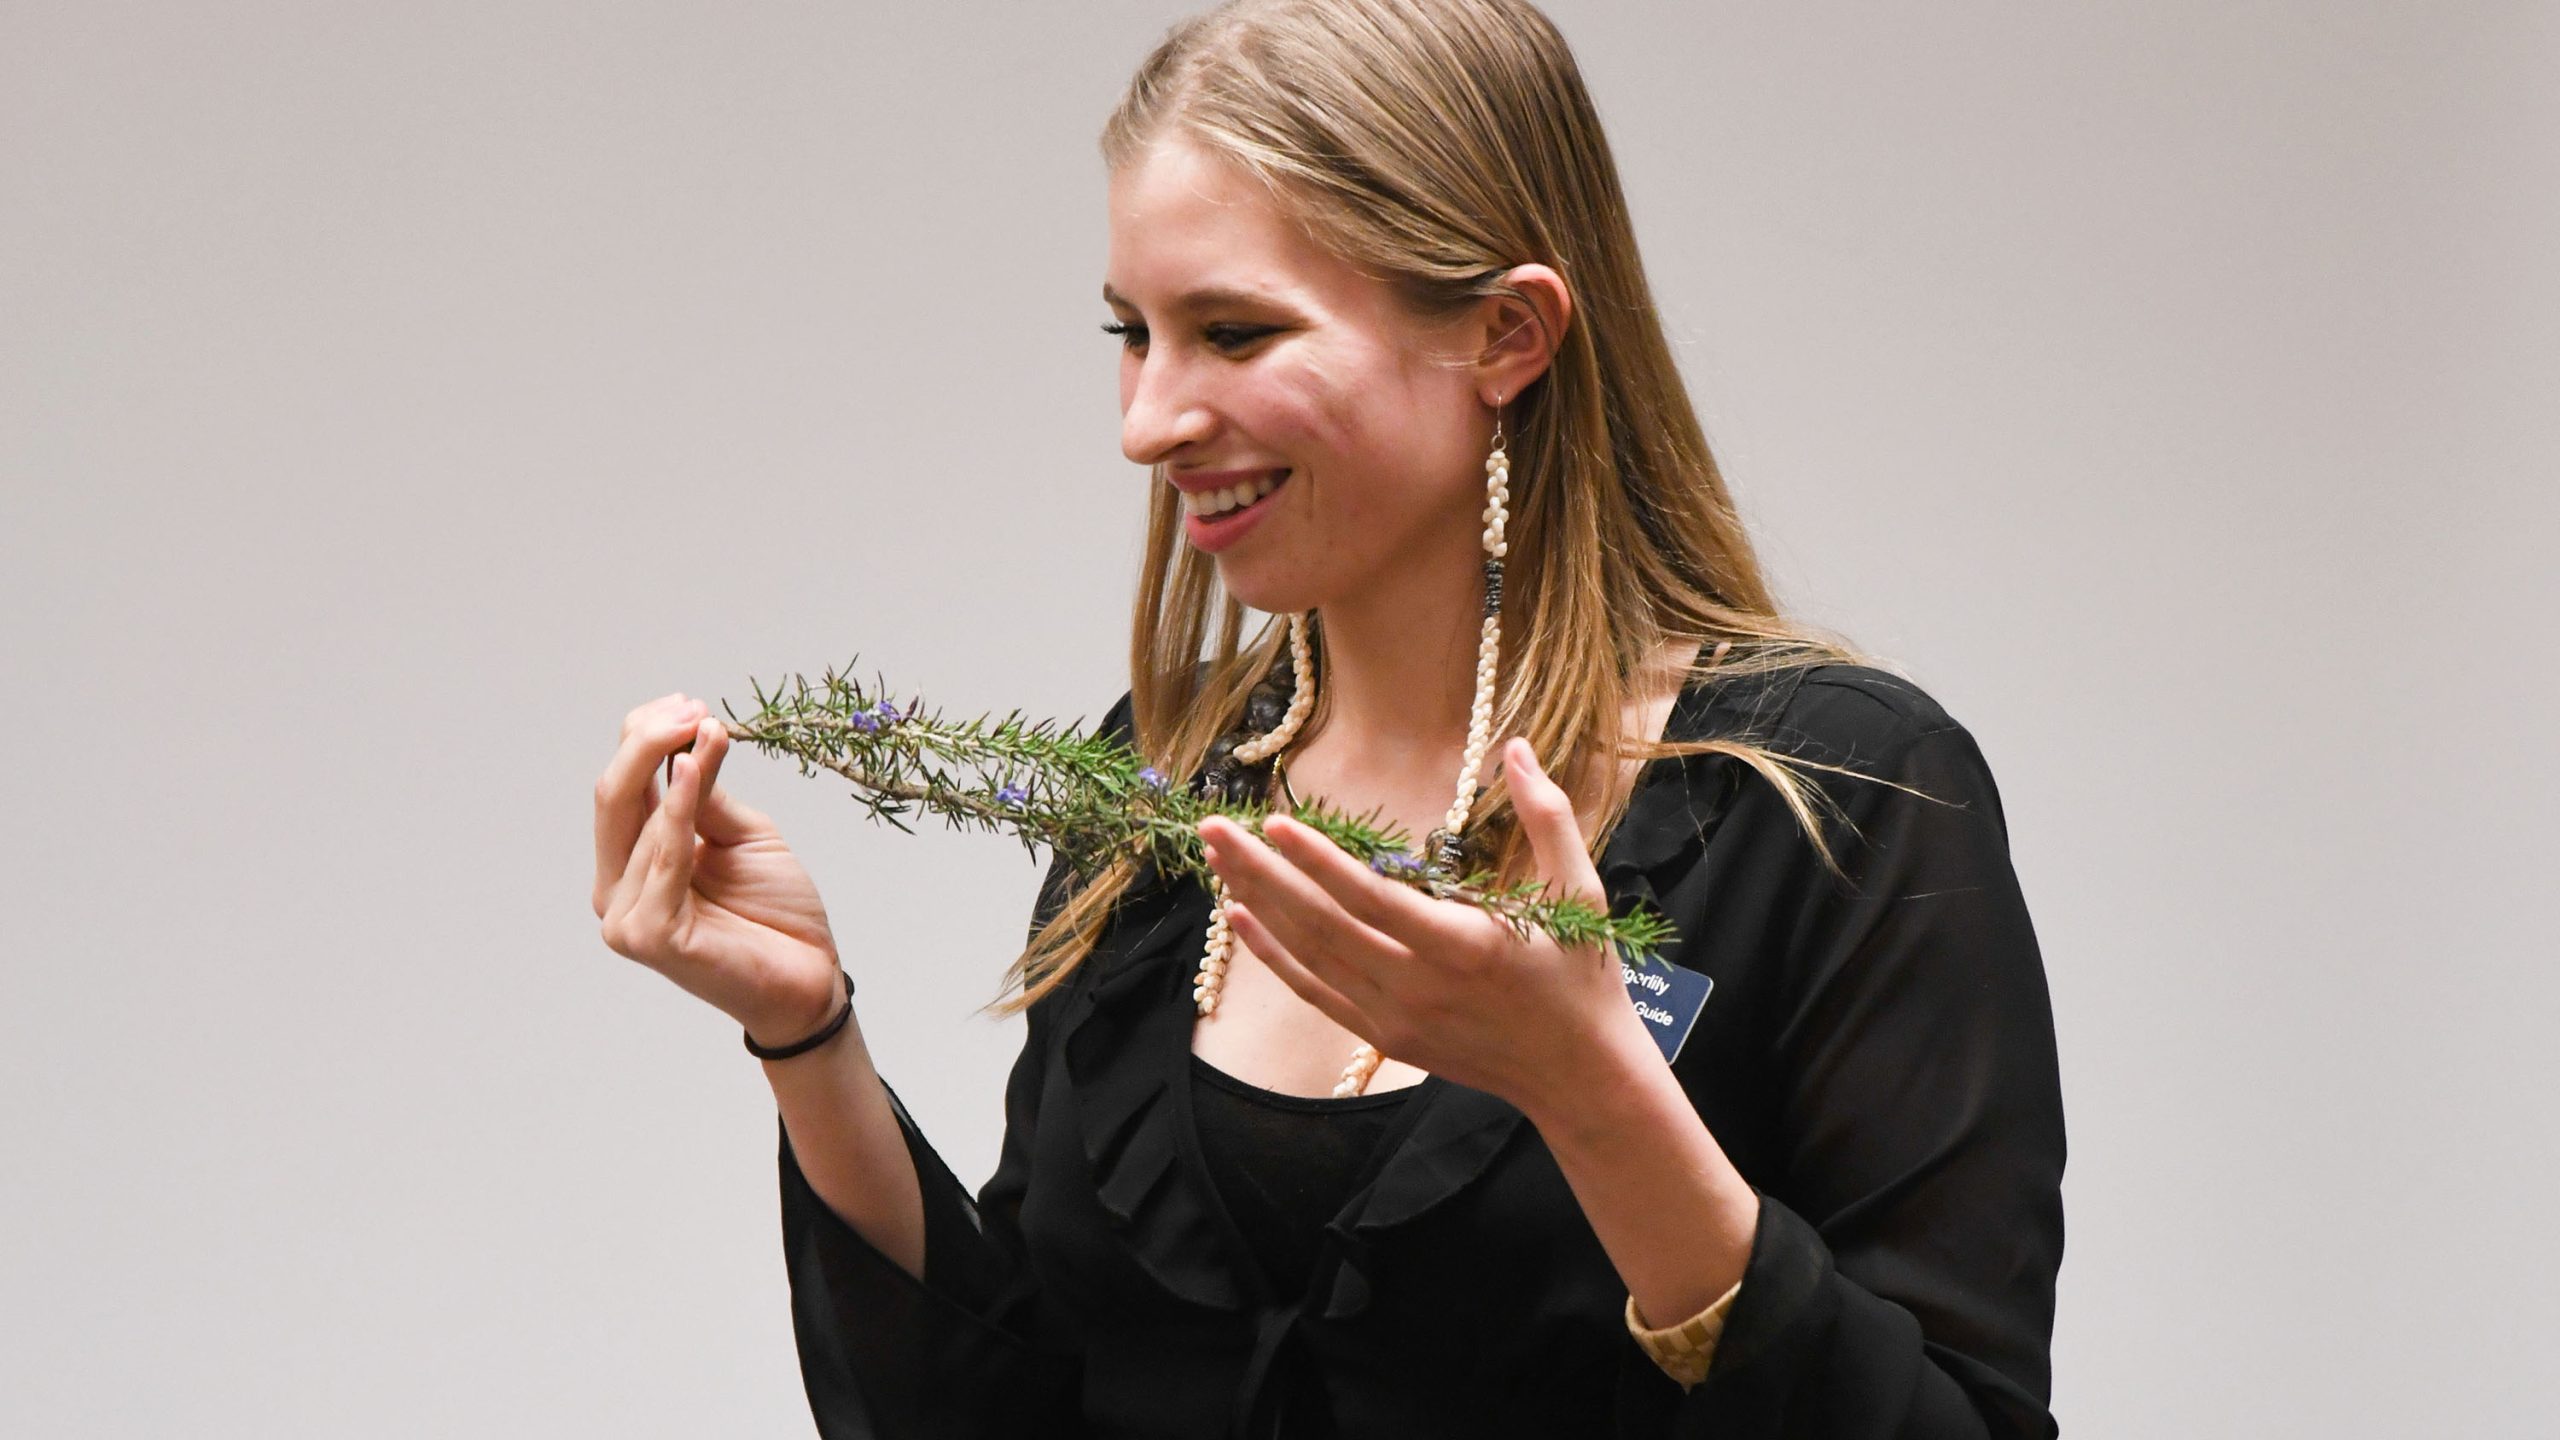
[{"x": 825, "y": 1033}]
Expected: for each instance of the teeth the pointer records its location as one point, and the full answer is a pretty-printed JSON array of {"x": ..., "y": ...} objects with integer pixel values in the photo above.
[{"x": 1219, "y": 502}]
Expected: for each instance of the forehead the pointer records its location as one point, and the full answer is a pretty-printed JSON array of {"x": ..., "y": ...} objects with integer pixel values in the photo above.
[{"x": 1190, "y": 230}]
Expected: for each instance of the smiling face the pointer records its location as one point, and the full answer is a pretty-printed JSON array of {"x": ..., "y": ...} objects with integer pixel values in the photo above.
[{"x": 1251, "y": 350}]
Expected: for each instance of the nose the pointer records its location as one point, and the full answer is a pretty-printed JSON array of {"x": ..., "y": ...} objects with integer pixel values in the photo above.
[{"x": 1161, "y": 411}]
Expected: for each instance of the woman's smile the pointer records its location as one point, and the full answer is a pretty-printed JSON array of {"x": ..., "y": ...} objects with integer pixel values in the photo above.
[{"x": 1216, "y": 516}]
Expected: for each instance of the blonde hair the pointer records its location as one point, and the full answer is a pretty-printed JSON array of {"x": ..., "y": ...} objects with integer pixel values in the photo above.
[{"x": 1437, "y": 144}]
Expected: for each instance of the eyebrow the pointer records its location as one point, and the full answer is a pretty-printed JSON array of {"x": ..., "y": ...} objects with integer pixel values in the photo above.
[{"x": 1201, "y": 299}]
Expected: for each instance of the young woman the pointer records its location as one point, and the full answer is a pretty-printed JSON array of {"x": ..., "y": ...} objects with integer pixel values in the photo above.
[{"x": 1307, "y": 1152}]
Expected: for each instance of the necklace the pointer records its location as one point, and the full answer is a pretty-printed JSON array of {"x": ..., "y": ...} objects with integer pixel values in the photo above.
[
  {"x": 1280, "y": 777},
  {"x": 1442, "y": 844}
]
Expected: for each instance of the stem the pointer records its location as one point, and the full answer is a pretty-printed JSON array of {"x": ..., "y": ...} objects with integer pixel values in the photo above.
[{"x": 1089, "y": 797}]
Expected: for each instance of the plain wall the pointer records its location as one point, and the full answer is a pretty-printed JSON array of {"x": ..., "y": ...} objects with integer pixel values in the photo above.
[{"x": 391, "y": 396}]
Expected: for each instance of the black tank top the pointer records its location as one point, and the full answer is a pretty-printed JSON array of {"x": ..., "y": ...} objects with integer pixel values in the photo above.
[{"x": 1284, "y": 1164}]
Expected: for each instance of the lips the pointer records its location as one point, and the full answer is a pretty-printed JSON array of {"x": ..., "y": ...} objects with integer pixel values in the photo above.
[{"x": 1214, "y": 533}]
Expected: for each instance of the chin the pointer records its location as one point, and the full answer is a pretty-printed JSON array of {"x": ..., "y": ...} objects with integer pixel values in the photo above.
[{"x": 1270, "y": 594}]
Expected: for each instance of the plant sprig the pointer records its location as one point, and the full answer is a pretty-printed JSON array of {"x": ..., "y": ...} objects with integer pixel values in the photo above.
[{"x": 1091, "y": 798}]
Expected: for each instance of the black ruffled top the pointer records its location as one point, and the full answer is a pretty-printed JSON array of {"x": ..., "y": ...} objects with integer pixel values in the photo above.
[
  {"x": 1877, "y": 1057},
  {"x": 1284, "y": 1164}
]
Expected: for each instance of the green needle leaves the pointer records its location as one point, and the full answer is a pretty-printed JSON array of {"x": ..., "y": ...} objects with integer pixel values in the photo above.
[{"x": 1089, "y": 797}]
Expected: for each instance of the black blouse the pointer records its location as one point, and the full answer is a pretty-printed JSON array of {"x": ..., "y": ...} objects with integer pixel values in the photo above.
[
  {"x": 1284, "y": 1164},
  {"x": 1877, "y": 1058}
]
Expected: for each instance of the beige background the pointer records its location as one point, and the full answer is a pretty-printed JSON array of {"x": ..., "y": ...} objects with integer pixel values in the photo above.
[{"x": 392, "y": 395}]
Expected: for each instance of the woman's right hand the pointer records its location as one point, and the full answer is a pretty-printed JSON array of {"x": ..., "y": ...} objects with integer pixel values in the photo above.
[{"x": 701, "y": 889}]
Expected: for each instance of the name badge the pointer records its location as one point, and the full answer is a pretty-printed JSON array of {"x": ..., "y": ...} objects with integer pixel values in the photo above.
[{"x": 1668, "y": 997}]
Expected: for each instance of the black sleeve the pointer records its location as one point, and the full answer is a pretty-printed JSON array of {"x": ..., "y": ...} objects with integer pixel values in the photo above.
[
  {"x": 969, "y": 1350},
  {"x": 1901, "y": 1283}
]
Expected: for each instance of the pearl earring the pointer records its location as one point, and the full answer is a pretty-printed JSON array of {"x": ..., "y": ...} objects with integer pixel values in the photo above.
[{"x": 1443, "y": 843}]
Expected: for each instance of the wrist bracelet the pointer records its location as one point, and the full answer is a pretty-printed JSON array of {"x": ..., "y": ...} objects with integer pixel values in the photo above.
[{"x": 825, "y": 1033}]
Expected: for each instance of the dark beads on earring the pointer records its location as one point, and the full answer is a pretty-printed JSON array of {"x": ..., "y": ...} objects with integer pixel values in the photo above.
[
  {"x": 1220, "y": 777},
  {"x": 1264, "y": 708},
  {"x": 1235, "y": 784},
  {"x": 1268, "y": 703}
]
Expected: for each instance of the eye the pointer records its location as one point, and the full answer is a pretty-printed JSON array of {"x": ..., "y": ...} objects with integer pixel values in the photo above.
[
  {"x": 1225, "y": 337},
  {"x": 1236, "y": 337}
]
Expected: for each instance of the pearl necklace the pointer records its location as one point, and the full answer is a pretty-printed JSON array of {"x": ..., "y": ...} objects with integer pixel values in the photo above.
[{"x": 1212, "y": 978}]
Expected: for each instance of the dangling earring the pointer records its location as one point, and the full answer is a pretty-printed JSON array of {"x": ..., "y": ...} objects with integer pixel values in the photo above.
[
  {"x": 1497, "y": 516},
  {"x": 1442, "y": 844}
]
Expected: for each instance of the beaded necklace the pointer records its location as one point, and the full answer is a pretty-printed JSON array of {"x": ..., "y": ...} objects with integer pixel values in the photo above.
[{"x": 1443, "y": 843}]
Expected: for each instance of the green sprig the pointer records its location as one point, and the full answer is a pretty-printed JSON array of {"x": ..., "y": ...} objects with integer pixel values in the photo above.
[{"x": 1091, "y": 798}]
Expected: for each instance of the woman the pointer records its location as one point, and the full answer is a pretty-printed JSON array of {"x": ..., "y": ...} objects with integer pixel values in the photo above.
[{"x": 1307, "y": 1152}]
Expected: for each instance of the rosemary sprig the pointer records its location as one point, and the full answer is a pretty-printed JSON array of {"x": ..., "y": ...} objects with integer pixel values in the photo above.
[{"x": 1090, "y": 797}]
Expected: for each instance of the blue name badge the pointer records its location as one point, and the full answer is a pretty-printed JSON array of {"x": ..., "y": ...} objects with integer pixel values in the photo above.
[{"x": 1668, "y": 998}]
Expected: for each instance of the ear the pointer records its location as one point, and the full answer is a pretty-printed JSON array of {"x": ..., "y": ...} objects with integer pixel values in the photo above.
[{"x": 1519, "y": 337}]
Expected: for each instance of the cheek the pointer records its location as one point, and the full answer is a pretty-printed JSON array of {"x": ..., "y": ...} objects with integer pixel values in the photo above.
[
  {"x": 1344, "y": 415},
  {"x": 1370, "y": 428},
  {"x": 1297, "y": 415}
]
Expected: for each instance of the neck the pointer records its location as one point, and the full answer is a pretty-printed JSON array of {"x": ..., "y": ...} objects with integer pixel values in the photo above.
[{"x": 1400, "y": 663}]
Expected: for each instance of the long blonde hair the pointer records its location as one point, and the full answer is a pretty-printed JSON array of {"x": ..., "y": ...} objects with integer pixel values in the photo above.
[{"x": 1437, "y": 144}]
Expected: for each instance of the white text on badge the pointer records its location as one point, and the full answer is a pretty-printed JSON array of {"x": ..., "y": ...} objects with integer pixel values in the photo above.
[{"x": 1658, "y": 984}]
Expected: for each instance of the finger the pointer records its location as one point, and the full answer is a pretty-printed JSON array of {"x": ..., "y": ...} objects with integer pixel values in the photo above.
[
  {"x": 1335, "y": 946},
  {"x": 640, "y": 714},
  {"x": 666, "y": 882},
  {"x": 640, "y": 747},
  {"x": 728, "y": 820},
  {"x": 627, "y": 791},
  {"x": 725, "y": 819},
  {"x": 643, "y": 849},
  {"x": 634, "y": 877},
  {"x": 1555, "y": 836},
  {"x": 1275, "y": 956},
  {"x": 1400, "y": 912}
]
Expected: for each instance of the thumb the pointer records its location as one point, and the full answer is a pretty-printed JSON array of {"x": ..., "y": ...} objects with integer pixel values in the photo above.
[{"x": 1555, "y": 836}]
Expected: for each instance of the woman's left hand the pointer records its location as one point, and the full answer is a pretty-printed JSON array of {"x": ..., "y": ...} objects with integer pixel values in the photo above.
[{"x": 1442, "y": 985}]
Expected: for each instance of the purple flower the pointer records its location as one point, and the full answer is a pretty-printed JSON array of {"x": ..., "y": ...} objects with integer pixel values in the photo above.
[
  {"x": 1012, "y": 795},
  {"x": 1152, "y": 778},
  {"x": 887, "y": 712},
  {"x": 864, "y": 721},
  {"x": 1392, "y": 863}
]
